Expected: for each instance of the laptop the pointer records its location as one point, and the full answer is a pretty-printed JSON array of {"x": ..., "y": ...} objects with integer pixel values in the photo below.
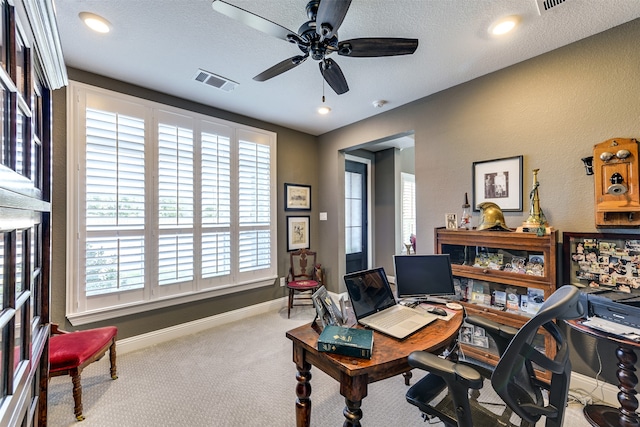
[{"x": 375, "y": 306}]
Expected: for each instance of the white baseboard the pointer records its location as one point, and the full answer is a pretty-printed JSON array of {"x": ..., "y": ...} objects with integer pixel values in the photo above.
[
  {"x": 139, "y": 342},
  {"x": 599, "y": 391}
]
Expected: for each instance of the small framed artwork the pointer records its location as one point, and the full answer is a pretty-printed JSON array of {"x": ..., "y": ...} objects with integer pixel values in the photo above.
[
  {"x": 297, "y": 197},
  {"x": 498, "y": 181},
  {"x": 451, "y": 220},
  {"x": 297, "y": 233}
]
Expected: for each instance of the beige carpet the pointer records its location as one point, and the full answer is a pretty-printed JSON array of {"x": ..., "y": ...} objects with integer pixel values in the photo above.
[{"x": 240, "y": 374}]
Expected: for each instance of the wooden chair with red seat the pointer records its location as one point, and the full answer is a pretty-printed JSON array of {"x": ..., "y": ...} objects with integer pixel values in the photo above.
[
  {"x": 71, "y": 352},
  {"x": 304, "y": 278}
]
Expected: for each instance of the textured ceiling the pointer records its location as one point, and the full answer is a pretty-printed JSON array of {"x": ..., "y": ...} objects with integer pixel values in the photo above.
[{"x": 160, "y": 45}]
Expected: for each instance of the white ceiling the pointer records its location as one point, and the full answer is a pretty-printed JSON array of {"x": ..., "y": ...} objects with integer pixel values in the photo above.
[{"x": 160, "y": 45}]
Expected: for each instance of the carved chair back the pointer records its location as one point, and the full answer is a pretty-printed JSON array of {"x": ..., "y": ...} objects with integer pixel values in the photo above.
[{"x": 303, "y": 265}]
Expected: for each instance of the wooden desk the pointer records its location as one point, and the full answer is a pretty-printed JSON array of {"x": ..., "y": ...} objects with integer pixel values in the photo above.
[
  {"x": 389, "y": 359},
  {"x": 608, "y": 416}
]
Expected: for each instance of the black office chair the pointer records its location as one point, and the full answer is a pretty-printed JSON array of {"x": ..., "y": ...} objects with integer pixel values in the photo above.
[{"x": 513, "y": 377}]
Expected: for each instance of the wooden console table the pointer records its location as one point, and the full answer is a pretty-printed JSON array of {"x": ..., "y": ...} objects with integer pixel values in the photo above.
[
  {"x": 608, "y": 416},
  {"x": 389, "y": 359}
]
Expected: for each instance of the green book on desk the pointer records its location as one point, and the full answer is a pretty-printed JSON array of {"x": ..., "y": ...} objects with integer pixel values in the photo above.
[{"x": 346, "y": 341}]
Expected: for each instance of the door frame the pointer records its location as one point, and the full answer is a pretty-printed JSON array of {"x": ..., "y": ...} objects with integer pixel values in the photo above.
[{"x": 370, "y": 193}]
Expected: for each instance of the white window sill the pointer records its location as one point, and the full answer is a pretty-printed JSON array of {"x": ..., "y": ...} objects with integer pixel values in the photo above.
[{"x": 77, "y": 319}]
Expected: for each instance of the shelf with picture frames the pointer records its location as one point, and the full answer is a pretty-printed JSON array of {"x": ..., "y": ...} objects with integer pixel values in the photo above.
[{"x": 501, "y": 275}]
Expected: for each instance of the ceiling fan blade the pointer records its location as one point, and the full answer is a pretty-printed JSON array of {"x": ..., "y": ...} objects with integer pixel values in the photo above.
[
  {"x": 254, "y": 21},
  {"x": 374, "y": 47},
  {"x": 330, "y": 15},
  {"x": 280, "y": 68},
  {"x": 333, "y": 75}
]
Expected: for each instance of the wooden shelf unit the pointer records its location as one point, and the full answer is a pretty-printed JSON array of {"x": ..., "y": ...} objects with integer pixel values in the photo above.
[{"x": 464, "y": 245}]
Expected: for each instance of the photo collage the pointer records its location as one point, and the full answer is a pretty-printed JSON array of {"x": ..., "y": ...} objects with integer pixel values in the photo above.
[
  {"x": 533, "y": 264},
  {"x": 597, "y": 263}
]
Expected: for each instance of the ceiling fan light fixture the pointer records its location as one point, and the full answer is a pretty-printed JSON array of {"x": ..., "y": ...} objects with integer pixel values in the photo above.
[
  {"x": 317, "y": 38},
  {"x": 504, "y": 25},
  {"x": 95, "y": 22}
]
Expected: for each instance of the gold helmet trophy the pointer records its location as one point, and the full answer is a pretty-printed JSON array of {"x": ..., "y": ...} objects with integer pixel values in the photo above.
[
  {"x": 536, "y": 223},
  {"x": 491, "y": 217}
]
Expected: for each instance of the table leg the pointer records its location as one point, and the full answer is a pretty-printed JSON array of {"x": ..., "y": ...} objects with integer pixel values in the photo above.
[
  {"x": 303, "y": 402},
  {"x": 625, "y": 416},
  {"x": 354, "y": 389},
  {"x": 303, "y": 388},
  {"x": 352, "y": 413}
]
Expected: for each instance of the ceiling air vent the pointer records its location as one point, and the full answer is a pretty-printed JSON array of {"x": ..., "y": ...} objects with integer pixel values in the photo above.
[
  {"x": 214, "y": 80},
  {"x": 547, "y": 5}
]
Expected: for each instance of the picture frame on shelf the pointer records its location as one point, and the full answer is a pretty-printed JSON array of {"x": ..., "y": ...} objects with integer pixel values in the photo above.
[
  {"x": 297, "y": 197},
  {"x": 451, "y": 221},
  {"x": 298, "y": 236},
  {"x": 498, "y": 181}
]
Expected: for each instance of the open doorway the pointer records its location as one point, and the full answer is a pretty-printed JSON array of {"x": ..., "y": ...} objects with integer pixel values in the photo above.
[{"x": 384, "y": 218}]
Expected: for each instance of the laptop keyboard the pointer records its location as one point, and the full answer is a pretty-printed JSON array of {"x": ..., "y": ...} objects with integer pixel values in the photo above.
[{"x": 394, "y": 318}]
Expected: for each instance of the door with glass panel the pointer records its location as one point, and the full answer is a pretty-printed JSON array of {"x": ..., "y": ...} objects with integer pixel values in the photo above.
[
  {"x": 25, "y": 210},
  {"x": 356, "y": 225}
]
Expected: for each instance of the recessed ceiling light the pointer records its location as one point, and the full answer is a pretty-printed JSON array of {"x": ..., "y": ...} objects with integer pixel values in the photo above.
[
  {"x": 323, "y": 109},
  {"x": 504, "y": 25},
  {"x": 95, "y": 22}
]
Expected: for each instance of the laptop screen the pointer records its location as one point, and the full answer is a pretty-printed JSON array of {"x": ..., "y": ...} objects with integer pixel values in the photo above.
[
  {"x": 423, "y": 275},
  {"x": 369, "y": 291}
]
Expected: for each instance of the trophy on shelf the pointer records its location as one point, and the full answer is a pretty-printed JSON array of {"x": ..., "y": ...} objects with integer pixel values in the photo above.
[
  {"x": 465, "y": 222},
  {"x": 536, "y": 222}
]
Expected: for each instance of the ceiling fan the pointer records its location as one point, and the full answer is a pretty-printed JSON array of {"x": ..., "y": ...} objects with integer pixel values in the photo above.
[{"x": 318, "y": 38}]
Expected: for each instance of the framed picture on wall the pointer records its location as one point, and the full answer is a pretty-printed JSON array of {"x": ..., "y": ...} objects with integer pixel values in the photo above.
[
  {"x": 498, "y": 181},
  {"x": 297, "y": 233},
  {"x": 297, "y": 197}
]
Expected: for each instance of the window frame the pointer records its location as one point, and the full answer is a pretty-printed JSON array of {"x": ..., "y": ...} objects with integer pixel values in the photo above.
[
  {"x": 82, "y": 309},
  {"x": 407, "y": 219}
]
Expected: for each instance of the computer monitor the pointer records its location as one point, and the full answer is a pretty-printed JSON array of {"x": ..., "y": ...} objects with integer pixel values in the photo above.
[{"x": 423, "y": 276}]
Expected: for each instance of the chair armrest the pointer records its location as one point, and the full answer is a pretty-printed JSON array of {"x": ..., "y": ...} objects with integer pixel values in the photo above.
[
  {"x": 55, "y": 330},
  {"x": 450, "y": 371},
  {"x": 317, "y": 273}
]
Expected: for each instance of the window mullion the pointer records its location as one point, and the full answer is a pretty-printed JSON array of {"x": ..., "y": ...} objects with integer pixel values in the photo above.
[
  {"x": 197, "y": 205},
  {"x": 234, "y": 227},
  {"x": 152, "y": 232}
]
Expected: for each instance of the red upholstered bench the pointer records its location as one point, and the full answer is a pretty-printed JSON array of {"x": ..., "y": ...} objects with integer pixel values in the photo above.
[{"x": 71, "y": 352}]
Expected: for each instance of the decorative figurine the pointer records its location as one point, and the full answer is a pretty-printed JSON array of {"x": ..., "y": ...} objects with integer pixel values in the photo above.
[
  {"x": 536, "y": 221},
  {"x": 465, "y": 222}
]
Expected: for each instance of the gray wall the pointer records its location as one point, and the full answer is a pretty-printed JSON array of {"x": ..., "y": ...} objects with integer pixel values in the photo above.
[
  {"x": 551, "y": 109},
  {"x": 407, "y": 160},
  {"x": 386, "y": 208},
  {"x": 296, "y": 154}
]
